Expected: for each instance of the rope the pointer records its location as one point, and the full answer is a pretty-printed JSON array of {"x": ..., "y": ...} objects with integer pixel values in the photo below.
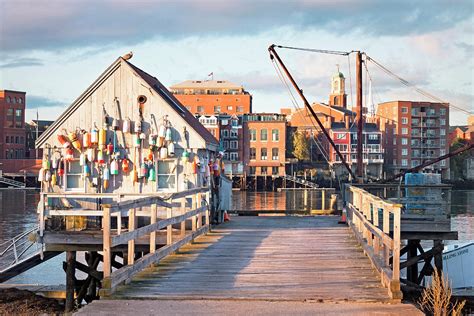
[{"x": 410, "y": 85}]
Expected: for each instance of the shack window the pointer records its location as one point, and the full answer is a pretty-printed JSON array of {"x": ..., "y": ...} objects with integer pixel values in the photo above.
[
  {"x": 167, "y": 175},
  {"x": 74, "y": 179}
]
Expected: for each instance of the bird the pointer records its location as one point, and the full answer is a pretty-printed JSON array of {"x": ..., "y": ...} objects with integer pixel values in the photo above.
[{"x": 128, "y": 56}]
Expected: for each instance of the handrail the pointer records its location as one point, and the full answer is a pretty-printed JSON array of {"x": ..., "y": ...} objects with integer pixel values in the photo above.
[
  {"x": 113, "y": 235},
  {"x": 380, "y": 237}
]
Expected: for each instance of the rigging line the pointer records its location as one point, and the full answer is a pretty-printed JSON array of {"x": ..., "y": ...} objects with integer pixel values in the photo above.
[
  {"x": 350, "y": 78},
  {"x": 295, "y": 104},
  {"x": 419, "y": 90},
  {"x": 321, "y": 51}
]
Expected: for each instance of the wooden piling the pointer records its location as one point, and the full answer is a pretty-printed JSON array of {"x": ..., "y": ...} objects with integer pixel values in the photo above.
[{"x": 70, "y": 280}]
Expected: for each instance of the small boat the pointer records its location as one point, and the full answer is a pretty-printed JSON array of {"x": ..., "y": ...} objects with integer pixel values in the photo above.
[{"x": 458, "y": 264}]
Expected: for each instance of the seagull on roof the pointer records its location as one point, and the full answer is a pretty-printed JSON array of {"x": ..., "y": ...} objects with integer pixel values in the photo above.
[{"x": 128, "y": 56}]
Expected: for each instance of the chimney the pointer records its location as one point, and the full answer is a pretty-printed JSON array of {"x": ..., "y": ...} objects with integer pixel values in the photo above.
[{"x": 347, "y": 121}]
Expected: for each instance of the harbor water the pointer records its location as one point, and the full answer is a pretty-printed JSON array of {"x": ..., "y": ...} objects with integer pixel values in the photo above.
[{"x": 18, "y": 214}]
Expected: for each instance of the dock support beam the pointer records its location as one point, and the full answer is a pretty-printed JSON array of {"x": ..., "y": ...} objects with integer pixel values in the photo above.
[{"x": 70, "y": 280}]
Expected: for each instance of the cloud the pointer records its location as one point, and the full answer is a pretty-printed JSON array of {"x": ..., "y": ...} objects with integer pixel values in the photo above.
[
  {"x": 56, "y": 25},
  {"x": 22, "y": 62},
  {"x": 36, "y": 101}
]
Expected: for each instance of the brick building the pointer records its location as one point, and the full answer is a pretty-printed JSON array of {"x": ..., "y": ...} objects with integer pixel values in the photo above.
[
  {"x": 12, "y": 125},
  {"x": 264, "y": 144},
  {"x": 33, "y": 130},
  {"x": 414, "y": 132},
  {"x": 208, "y": 97},
  {"x": 345, "y": 137},
  {"x": 232, "y": 142}
]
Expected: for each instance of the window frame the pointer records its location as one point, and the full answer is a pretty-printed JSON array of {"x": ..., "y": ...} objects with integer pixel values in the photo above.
[
  {"x": 67, "y": 173},
  {"x": 173, "y": 173}
]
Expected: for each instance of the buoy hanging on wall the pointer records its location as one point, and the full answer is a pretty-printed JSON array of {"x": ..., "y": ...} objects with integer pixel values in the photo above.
[
  {"x": 102, "y": 138},
  {"x": 90, "y": 154},
  {"x": 69, "y": 154},
  {"x": 136, "y": 140},
  {"x": 75, "y": 142},
  {"x": 100, "y": 157},
  {"x": 171, "y": 149},
  {"x": 46, "y": 163},
  {"x": 82, "y": 159},
  {"x": 47, "y": 176},
  {"x": 125, "y": 165},
  {"x": 114, "y": 167},
  {"x": 106, "y": 177},
  {"x": 54, "y": 162},
  {"x": 64, "y": 141},
  {"x": 95, "y": 135},
  {"x": 168, "y": 135},
  {"x": 115, "y": 124},
  {"x": 152, "y": 174},
  {"x": 41, "y": 175},
  {"x": 127, "y": 125},
  {"x": 54, "y": 179},
  {"x": 110, "y": 148},
  {"x": 61, "y": 168},
  {"x": 87, "y": 170},
  {"x": 86, "y": 139},
  {"x": 163, "y": 153},
  {"x": 138, "y": 127}
]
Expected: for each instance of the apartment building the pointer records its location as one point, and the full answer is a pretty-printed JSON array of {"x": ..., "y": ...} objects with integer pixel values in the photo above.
[
  {"x": 12, "y": 124},
  {"x": 232, "y": 142},
  {"x": 344, "y": 136},
  {"x": 414, "y": 132},
  {"x": 209, "y": 97},
  {"x": 264, "y": 144}
]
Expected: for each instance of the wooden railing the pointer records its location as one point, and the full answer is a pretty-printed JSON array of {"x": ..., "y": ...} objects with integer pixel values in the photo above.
[
  {"x": 376, "y": 225},
  {"x": 177, "y": 212}
]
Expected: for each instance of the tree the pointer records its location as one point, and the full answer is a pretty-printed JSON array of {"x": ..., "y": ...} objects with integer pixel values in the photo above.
[
  {"x": 300, "y": 146},
  {"x": 457, "y": 162}
]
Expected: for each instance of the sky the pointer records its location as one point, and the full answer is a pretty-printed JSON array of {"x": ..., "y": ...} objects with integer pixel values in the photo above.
[{"x": 55, "y": 49}]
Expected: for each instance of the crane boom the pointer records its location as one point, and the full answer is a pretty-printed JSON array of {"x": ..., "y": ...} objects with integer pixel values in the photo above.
[{"x": 273, "y": 54}]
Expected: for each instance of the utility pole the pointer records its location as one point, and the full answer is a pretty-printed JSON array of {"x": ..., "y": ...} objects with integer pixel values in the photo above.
[{"x": 359, "y": 117}]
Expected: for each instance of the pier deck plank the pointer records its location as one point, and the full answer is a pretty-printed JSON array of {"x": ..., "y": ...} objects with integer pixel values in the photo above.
[{"x": 265, "y": 258}]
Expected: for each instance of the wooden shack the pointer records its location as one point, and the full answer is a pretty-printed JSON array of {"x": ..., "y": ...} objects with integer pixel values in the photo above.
[
  {"x": 128, "y": 176},
  {"x": 141, "y": 124}
]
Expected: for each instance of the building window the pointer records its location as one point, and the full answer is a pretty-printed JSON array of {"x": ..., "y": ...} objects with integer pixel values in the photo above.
[
  {"x": 166, "y": 175},
  {"x": 253, "y": 153},
  {"x": 414, "y": 163},
  {"x": 263, "y": 154},
  {"x": 373, "y": 136},
  {"x": 234, "y": 144},
  {"x": 234, "y": 133},
  {"x": 275, "y": 171},
  {"x": 225, "y": 133},
  {"x": 274, "y": 153},
  {"x": 74, "y": 180},
  {"x": 394, "y": 162},
  {"x": 10, "y": 118},
  {"x": 443, "y": 163},
  {"x": 404, "y": 152},
  {"x": 340, "y": 136},
  {"x": 263, "y": 134},
  {"x": 234, "y": 122},
  {"x": 404, "y": 162},
  {"x": 229, "y": 108},
  {"x": 404, "y": 109},
  {"x": 442, "y": 142},
  {"x": 442, "y": 132},
  {"x": 432, "y": 111},
  {"x": 234, "y": 156},
  {"x": 217, "y": 108},
  {"x": 252, "y": 170},
  {"x": 442, "y": 111},
  {"x": 240, "y": 109},
  {"x": 404, "y": 141},
  {"x": 7, "y": 139},
  {"x": 404, "y": 131},
  {"x": 225, "y": 144},
  {"x": 253, "y": 135},
  {"x": 275, "y": 135},
  {"x": 394, "y": 140},
  {"x": 200, "y": 109},
  {"x": 9, "y": 100},
  {"x": 20, "y": 100},
  {"x": 404, "y": 120},
  {"x": 442, "y": 122}
]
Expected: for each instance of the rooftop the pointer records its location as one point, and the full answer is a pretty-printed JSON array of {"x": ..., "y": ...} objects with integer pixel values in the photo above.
[{"x": 206, "y": 84}]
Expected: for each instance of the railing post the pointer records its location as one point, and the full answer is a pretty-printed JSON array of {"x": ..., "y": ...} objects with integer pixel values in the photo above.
[
  {"x": 169, "y": 228},
  {"x": 107, "y": 268},
  {"x": 208, "y": 223},
  {"x": 375, "y": 216},
  {"x": 198, "y": 205},
  {"x": 183, "y": 223},
  {"x": 193, "y": 218},
  {"x": 386, "y": 230},
  {"x": 153, "y": 233},
  {"x": 132, "y": 215},
  {"x": 323, "y": 199},
  {"x": 396, "y": 242}
]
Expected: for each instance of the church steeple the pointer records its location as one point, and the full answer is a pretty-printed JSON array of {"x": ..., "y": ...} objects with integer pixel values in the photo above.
[{"x": 338, "y": 95}]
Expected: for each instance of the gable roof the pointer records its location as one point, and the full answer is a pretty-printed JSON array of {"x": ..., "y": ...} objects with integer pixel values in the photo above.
[
  {"x": 156, "y": 85},
  {"x": 159, "y": 88}
]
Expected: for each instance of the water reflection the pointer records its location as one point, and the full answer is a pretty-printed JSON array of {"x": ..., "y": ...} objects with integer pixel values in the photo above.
[{"x": 17, "y": 211}]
